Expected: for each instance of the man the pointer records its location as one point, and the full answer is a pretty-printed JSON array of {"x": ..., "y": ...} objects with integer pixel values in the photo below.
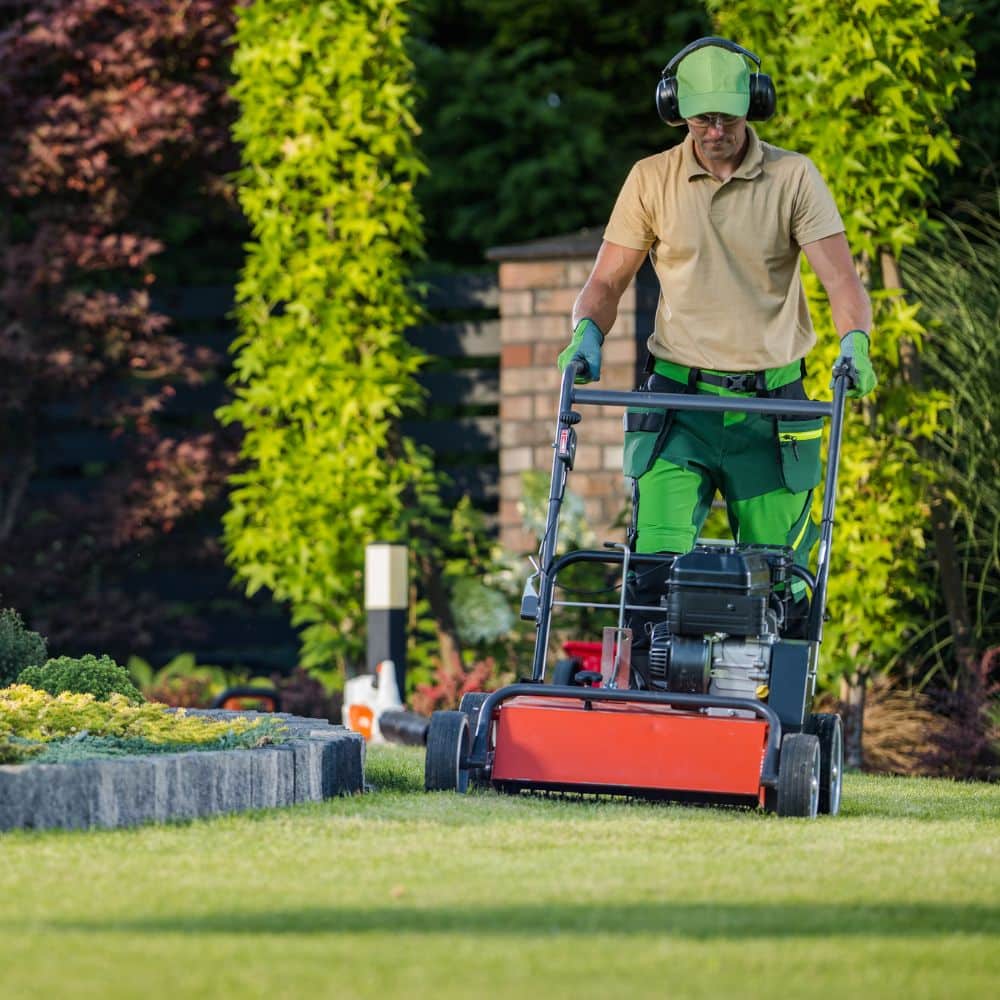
[{"x": 723, "y": 218}]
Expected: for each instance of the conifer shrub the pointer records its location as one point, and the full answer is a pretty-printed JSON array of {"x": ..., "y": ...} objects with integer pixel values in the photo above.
[
  {"x": 19, "y": 647},
  {"x": 99, "y": 676}
]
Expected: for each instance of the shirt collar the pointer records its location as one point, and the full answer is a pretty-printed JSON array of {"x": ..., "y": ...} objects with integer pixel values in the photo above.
[{"x": 751, "y": 166}]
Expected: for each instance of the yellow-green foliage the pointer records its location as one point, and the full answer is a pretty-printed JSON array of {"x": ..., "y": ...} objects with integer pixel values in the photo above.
[
  {"x": 323, "y": 370},
  {"x": 863, "y": 86},
  {"x": 30, "y": 714}
]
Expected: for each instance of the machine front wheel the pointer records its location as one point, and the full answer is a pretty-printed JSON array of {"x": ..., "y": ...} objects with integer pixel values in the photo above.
[
  {"x": 472, "y": 705},
  {"x": 446, "y": 767},
  {"x": 829, "y": 730},
  {"x": 798, "y": 776}
]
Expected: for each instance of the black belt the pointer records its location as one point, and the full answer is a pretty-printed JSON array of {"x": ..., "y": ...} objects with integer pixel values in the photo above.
[{"x": 739, "y": 382}]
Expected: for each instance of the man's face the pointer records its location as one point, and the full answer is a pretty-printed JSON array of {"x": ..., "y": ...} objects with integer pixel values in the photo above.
[{"x": 718, "y": 137}]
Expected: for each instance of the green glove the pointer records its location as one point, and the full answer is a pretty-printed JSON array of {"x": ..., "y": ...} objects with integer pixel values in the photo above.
[
  {"x": 586, "y": 344},
  {"x": 861, "y": 378}
]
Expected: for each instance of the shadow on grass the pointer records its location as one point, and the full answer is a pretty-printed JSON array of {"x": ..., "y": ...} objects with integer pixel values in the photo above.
[{"x": 699, "y": 921}]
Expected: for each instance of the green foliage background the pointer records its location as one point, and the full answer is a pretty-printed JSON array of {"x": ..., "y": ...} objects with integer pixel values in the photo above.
[
  {"x": 864, "y": 89},
  {"x": 322, "y": 369},
  {"x": 533, "y": 113},
  {"x": 531, "y": 116},
  {"x": 977, "y": 178}
]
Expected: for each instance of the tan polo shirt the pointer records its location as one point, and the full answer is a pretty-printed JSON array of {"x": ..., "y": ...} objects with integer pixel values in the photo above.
[{"x": 727, "y": 253}]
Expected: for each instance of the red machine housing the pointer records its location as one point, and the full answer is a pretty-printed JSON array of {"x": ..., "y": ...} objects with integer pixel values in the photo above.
[{"x": 616, "y": 747}]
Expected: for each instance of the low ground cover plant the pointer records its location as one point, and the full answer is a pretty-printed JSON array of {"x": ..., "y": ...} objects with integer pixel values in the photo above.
[{"x": 38, "y": 726}]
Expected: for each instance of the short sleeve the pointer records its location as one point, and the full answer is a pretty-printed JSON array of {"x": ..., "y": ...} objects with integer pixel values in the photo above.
[
  {"x": 630, "y": 224},
  {"x": 815, "y": 214}
]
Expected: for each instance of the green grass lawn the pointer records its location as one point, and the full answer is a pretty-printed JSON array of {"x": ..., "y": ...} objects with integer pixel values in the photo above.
[{"x": 399, "y": 894}]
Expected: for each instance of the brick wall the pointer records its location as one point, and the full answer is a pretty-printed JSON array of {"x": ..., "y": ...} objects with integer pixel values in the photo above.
[{"x": 539, "y": 283}]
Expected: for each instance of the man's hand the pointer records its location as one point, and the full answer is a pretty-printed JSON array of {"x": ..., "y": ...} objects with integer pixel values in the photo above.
[
  {"x": 861, "y": 378},
  {"x": 586, "y": 344}
]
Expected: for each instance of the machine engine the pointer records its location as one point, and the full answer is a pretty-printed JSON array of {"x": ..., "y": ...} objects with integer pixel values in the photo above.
[{"x": 724, "y": 612}]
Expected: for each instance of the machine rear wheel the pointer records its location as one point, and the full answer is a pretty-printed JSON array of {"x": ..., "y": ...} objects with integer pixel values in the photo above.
[
  {"x": 471, "y": 705},
  {"x": 446, "y": 766},
  {"x": 798, "y": 776},
  {"x": 829, "y": 730}
]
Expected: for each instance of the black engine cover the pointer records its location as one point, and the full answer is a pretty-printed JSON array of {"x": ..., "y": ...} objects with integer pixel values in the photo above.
[{"x": 719, "y": 588}]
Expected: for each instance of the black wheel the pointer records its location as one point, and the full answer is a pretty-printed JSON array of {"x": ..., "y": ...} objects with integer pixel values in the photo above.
[
  {"x": 564, "y": 672},
  {"x": 798, "y": 776},
  {"x": 829, "y": 730},
  {"x": 446, "y": 765},
  {"x": 471, "y": 705}
]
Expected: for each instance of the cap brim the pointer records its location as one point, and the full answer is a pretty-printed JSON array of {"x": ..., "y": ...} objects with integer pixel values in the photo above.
[{"x": 714, "y": 103}]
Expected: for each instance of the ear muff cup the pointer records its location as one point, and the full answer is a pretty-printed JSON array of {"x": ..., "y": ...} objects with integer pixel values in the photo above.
[
  {"x": 763, "y": 98},
  {"x": 666, "y": 101}
]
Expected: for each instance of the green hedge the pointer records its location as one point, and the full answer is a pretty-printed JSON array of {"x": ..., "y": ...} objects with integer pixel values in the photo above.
[{"x": 322, "y": 368}]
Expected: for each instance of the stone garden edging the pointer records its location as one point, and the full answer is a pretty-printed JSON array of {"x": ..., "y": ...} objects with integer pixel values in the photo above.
[{"x": 318, "y": 761}]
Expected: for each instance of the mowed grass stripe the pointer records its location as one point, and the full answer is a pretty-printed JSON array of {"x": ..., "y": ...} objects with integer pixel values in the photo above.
[{"x": 399, "y": 893}]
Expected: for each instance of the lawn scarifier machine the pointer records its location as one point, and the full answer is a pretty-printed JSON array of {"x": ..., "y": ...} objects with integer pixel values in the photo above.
[{"x": 724, "y": 713}]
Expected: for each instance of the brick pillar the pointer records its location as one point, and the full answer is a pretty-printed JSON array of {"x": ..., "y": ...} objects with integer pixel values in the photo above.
[{"x": 539, "y": 283}]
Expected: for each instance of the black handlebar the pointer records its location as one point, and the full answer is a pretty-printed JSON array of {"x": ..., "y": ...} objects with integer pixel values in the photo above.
[{"x": 570, "y": 394}]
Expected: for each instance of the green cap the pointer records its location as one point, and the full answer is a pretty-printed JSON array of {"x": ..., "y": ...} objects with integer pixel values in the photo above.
[{"x": 713, "y": 80}]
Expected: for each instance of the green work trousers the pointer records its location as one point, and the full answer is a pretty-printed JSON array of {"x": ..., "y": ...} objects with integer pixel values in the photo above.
[{"x": 765, "y": 467}]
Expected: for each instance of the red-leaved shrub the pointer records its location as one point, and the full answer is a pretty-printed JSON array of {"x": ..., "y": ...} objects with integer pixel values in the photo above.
[{"x": 450, "y": 683}]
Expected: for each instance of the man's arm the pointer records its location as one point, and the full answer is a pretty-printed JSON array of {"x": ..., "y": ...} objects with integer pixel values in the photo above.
[
  {"x": 831, "y": 259},
  {"x": 614, "y": 269}
]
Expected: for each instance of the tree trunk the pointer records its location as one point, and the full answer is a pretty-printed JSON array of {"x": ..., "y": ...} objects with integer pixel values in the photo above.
[
  {"x": 852, "y": 699},
  {"x": 449, "y": 644},
  {"x": 953, "y": 589},
  {"x": 22, "y": 468}
]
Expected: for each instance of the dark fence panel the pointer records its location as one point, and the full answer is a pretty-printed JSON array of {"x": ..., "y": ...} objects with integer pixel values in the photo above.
[
  {"x": 461, "y": 422},
  {"x": 206, "y": 613}
]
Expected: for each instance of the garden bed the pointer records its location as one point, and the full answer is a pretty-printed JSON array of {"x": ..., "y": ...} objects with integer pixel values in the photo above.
[{"x": 317, "y": 761}]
